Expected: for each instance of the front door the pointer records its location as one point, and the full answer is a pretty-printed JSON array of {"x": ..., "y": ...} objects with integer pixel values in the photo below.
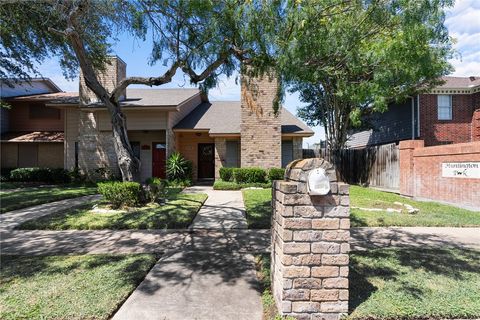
[
  {"x": 158, "y": 160},
  {"x": 206, "y": 161}
]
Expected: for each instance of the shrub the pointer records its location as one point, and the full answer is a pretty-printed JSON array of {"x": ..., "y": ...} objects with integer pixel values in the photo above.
[
  {"x": 40, "y": 175},
  {"x": 276, "y": 174},
  {"x": 229, "y": 185},
  {"x": 249, "y": 175},
  {"x": 121, "y": 194},
  {"x": 156, "y": 189},
  {"x": 178, "y": 168},
  {"x": 226, "y": 174}
]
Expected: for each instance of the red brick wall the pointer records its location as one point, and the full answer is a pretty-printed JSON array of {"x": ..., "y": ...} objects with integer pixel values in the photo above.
[
  {"x": 421, "y": 173},
  {"x": 476, "y": 125},
  {"x": 457, "y": 130}
]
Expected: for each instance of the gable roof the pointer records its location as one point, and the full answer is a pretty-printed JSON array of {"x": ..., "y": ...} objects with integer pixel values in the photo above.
[
  {"x": 10, "y": 88},
  {"x": 223, "y": 117},
  {"x": 459, "y": 82}
]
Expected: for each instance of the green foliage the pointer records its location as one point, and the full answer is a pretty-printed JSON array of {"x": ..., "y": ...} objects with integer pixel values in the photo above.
[
  {"x": 231, "y": 185},
  {"x": 350, "y": 58},
  {"x": 179, "y": 168},
  {"x": 258, "y": 208},
  {"x": 276, "y": 174},
  {"x": 45, "y": 175},
  {"x": 121, "y": 194},
  {"x": 156, "y": 189},
  {"x": 249, "y": 175},
  {"x": 226, "y": 174}
]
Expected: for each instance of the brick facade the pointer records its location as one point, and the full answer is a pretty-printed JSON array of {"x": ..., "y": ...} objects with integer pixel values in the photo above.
[
  {"x": 310, "y": 236},
  {"x": 260, "y": 128},
  {"x": 457, "y": 130},
  {"x": 114, "y": 73},
  {"x": 421, "y": 172},
  {"x": 476, "y": 125}
]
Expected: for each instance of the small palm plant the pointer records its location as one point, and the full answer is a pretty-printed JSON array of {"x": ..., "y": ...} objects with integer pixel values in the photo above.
[{"x": 178, "y": 168}]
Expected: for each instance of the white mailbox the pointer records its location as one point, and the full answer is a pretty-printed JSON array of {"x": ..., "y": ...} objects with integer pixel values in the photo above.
[{"x": 318, "y": 183}]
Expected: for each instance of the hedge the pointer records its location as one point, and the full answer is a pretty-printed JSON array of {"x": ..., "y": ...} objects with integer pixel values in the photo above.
[
  {"x": 121, "y": 194},
  {"x": 40, "y": 175},
  {"x": 229, "y": 185},
  {"x": 226, "y": 174},
  {"x": 276, "y": 174},
  {"x": 249, "y": 175}
]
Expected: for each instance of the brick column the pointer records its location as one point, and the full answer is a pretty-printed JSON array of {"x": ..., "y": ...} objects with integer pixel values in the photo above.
[
  {"x": 406, "y": 165},
  {"x": 310, "y": 246},
  {"x": 476, "y": 125},
  {"x": 220, "y": 155}
]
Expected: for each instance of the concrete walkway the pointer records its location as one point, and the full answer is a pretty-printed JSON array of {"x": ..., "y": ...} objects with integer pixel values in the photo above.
[
  {"x": 223, "y": 210},
  {"x": 11, "y": 219}
]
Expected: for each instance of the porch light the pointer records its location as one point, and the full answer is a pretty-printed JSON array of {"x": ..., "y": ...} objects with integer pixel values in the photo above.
[{"x": 318, "y": 183}]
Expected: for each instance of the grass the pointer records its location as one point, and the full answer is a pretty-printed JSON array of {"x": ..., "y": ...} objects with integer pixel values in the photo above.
[
  {"x": 230, "y": 185},
  {"x": 258, "y": 207},
  {"x": 399, "y": 283},
  {"x": 68, "y": 287},
  {"x": 177, "y": 213},
  {"x": 27, "y": 197},
  {"x": 431, "y": 214},
  {"x": 415, "y": 284}
]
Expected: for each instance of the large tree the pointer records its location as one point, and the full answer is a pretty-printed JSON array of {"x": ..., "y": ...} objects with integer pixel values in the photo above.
[
  {"x": 201, "y": 38},
  {"x": 349, "y": 58}
]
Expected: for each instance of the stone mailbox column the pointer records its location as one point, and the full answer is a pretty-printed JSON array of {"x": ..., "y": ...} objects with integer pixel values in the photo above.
[{"x": 310, "y": 236}]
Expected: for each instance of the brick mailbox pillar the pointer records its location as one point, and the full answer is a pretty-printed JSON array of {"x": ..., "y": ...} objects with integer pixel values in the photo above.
[{"x": 310, "y": 235}]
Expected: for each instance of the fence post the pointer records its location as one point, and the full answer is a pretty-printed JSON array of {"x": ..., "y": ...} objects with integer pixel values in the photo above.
[
  {"x": 407, "y": 181},
  {"x": 310, "y": 236}
]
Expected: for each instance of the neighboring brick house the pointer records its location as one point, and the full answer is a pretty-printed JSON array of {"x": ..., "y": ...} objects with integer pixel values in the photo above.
[
  {"x": 161, "y": 121},
  {"x": 448, "y": 114}
]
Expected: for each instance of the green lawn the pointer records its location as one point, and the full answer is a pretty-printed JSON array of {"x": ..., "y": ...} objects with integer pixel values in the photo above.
[
  {"x": 431, "y": 214},
  {"x": 415, "y": 284},
  {"x": 258, "y": 207},
  {"x": 407, "y": 284},
  {"x": 68, "y": 287},
  {"x": 178, "y": 212},
  {"x": 27, "y": 197}
]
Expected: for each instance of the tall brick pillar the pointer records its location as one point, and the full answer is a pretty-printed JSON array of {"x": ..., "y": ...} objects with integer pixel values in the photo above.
[
  {"x": 476, "y": 125},
  {"x": 310, "y": 245},
  {"x": 261, "y": 139},
  {"x": 407, "y": 175},
  {"x": 114, "y": 72}
]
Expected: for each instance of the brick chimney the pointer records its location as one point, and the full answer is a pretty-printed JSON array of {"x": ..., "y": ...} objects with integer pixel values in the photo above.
[
  {"x": 113, "y": 74},
  {"x": 261, "y": 139}
]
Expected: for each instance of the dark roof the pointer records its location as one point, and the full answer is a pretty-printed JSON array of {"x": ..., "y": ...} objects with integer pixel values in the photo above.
[
  {"x": 460, "y": 82},
  {"x": 33, "y": 136},
  {"x": 140, "y": 98},
  {"x": 223, "y": 117},
  {"x": 10, "y": 88}
]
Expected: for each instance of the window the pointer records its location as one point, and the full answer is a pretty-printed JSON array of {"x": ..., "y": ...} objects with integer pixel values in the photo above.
[
  {"x": 41, "y": 112},
  {"x": 136, "y": 148},
  {"x": 287, "y": 152},
  {"x": 232, "y": 154},
  {"x": 444, "y": 103}
]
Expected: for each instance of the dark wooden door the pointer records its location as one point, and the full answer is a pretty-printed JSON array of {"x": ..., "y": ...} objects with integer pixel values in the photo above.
[
  {"x": 158, "y": 160},
  {"x": 206, "y": 161}
]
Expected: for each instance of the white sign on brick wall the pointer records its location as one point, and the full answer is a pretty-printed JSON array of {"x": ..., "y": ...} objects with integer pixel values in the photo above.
[{"x": 461, "y": 170}]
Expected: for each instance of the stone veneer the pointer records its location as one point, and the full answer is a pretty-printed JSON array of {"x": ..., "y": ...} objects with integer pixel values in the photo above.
[
  {"x": 310, "y": 245},
  {"x": 260, "y": 128}
]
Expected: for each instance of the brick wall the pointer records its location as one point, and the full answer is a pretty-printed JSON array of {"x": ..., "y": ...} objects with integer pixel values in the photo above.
[
  {"x": 421, "y": 172},
  {"x": 310, "y": 246},
  {"x": 260, "y": 128},
  {"x": 457, "y": 130},
  {"x": 220, "y": 155},
  {"x": 476, "y": 125}
]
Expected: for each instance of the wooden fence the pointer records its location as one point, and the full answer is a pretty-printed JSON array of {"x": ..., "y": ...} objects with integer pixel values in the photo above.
[{"x": 374, "y": 166}]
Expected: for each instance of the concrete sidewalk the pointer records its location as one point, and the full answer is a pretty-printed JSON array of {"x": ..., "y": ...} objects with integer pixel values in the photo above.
[
  {"x": 223, "y": 210},
  {"x": 11, "y": 219}
]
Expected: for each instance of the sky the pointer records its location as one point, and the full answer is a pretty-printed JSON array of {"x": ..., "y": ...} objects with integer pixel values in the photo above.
[{"x": 462, "y": 21}]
